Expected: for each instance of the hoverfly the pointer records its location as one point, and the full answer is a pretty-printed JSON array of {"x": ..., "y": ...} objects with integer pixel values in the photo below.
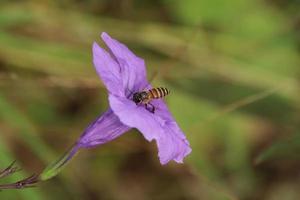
[{"x": 144, "y": 97}]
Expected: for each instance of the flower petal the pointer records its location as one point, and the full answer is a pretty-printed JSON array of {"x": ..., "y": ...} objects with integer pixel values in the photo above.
[
  {"x": 172, "y": 144},
  {"x": 133, "y": 68},
  {"x": 104, "y": 129},
  {"x": 108, "y": 70}
]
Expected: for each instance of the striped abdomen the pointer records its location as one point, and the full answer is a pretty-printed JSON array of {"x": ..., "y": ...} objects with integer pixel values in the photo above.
[{"x": 157, "y": 93}]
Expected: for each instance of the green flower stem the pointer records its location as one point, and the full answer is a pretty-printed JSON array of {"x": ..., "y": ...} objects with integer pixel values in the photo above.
[{"x": 54, "y": 168}]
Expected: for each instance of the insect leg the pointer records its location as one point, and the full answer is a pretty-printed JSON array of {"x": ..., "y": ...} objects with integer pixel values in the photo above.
[
  {"x": 146, "y": 107},
  {"x": 150, "y": 109},
  {"x": 153, "y": 107}
]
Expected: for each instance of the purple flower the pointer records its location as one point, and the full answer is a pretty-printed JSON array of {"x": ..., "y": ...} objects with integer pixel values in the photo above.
[{"x": 123, "y": 74}]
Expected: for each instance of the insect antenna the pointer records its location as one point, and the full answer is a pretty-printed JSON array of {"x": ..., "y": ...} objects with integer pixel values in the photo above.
[{"x": 130, "y": 93}]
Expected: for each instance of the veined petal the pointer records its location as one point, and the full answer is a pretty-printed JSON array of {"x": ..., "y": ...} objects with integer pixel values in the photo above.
[
  {"x": 104, "y": 129},
  {"x": 108, "y": 70},
  {"x": 172, "y": 144},
  {"x": 133, "y": 70}
]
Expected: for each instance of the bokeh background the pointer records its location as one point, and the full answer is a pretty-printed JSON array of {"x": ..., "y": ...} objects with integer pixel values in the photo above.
[{"x": 232, "y": 67}]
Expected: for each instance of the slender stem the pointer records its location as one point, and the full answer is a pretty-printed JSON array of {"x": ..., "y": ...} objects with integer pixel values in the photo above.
[
  {"x": 49, "y": 172},
  {"x": 24, "y": 183},
  {"x": 9, "y": 170},
  {"x": 54, "y": 168}
]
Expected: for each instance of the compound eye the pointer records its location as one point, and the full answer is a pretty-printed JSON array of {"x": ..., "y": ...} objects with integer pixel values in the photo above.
[{"x": 144, "y": 95}]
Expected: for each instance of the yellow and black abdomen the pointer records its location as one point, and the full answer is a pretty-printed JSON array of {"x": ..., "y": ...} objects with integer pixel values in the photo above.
[{"x": 157, "y": 93}]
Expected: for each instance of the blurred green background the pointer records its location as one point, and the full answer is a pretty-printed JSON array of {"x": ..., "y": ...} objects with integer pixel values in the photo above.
[{"x": 232, "y": 67}]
